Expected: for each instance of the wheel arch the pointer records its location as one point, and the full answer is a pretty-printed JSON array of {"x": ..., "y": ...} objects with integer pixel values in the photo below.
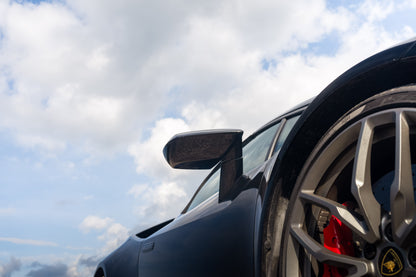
[{"x": 394, "y": 67}]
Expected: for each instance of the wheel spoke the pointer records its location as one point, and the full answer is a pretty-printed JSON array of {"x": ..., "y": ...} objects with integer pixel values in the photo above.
[
  {"x": 402, "y": 200},
  {"x": 339, "y": 211},
  {"x": 361, "y": 182},
  {"x": 355, "y": 266}
]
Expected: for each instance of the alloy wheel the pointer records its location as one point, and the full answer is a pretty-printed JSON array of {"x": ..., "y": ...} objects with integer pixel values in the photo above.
[{"x": 369, "y": 164}]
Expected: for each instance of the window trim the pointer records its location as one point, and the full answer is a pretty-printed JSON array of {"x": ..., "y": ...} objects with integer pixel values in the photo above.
[
  {"x": 284, "y": 120},
  {"x": 281, "y": 119},
  {"x": 274, "y": 121},
  {"x": 276, "y": 138}
]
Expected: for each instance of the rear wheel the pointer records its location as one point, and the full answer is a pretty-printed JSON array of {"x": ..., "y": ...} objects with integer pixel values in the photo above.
[{"x": 352, "y": 211}]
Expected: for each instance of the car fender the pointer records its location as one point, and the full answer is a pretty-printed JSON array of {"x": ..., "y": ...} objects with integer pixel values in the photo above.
[{"x": 388, "y": 69}]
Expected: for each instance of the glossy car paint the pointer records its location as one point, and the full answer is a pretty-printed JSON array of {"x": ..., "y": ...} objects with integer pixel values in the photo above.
[{"x": 229, "y": 238}]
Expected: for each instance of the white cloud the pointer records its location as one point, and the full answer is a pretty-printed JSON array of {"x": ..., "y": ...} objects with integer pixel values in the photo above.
[
  {"x": 28, "y": 241},
  {"x": 98, "y": 59},
  {"x": 113, "y": 237},
  {"x": 65, "y": 84},
  {"x": 138, "y": 190},
  {"x": 166, "y": 197},
  {"x": 7, "y": 211},
  {"x": 410, "y": 4},
  {"x": 50, "y": 265},
  {"x": 92, "y": 222},
  {"x": 159, "y": 202},
  {"x": 92, "y": 77},
  {"x": 111, "y": 233},
  {"x": 148, "y": 154},
  {"x": 376, "y": 10},
  {"x": 95, "y": 78},
  {"x": 8, "y": 268}
]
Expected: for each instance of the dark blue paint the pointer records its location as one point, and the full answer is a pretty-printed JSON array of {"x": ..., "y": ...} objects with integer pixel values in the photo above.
[
  {"x": 214, "y": 243},
  {"x": 123, "y": 261}
]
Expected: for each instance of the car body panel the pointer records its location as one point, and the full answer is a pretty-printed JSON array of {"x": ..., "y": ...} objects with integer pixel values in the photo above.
[
  {"x": 123, "y": 261},
  {"x": 224, "y": 250}
]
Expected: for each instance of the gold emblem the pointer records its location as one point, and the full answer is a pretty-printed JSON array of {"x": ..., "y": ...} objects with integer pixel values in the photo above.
[{"x": 391, "y": 263}]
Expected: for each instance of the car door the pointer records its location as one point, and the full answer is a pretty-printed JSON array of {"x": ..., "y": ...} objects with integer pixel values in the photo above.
[{"x": 212, "y": 238}]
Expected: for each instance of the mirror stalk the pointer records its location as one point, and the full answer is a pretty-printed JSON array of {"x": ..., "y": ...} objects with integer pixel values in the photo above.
[{"x": 231, "y": 170}]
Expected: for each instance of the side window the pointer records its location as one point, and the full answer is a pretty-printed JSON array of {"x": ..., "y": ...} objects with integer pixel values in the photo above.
[
  {"x": 209, "y": 188},
  {"x": 255, "y": 151},
  {"x": 254, "y": 154},
  {"x": 290, "y": 122}
]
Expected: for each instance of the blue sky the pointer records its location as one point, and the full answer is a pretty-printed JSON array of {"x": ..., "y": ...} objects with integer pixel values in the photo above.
[{"x": 90, "y": 91}]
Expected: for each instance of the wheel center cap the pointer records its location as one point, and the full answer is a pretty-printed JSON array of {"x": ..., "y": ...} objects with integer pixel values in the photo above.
[{"x": 390, "y": 262}]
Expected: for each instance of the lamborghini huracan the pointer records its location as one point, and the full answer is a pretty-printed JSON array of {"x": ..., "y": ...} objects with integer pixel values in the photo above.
[{"x": 326, "y": 189}]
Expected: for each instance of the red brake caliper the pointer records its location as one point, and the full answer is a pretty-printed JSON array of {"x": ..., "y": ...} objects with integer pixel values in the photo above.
[{"x": 338, "y": 239}]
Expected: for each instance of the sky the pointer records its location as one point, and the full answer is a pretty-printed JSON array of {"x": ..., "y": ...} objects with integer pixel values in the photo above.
[{"x": 90, "y": 91}]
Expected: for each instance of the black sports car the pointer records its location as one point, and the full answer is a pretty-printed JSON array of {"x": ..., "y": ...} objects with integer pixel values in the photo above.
[{"x": 326, "y": 189}]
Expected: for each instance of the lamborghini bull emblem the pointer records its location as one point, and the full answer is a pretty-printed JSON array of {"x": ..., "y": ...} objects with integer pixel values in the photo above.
[{"x": 391, "y": 263}]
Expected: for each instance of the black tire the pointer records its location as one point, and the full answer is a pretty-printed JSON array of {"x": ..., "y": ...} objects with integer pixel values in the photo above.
[{"x": 369, "y": 151}]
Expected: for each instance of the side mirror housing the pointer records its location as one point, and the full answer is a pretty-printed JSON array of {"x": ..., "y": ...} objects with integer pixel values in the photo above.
[{"x": 203, "y": 149}]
